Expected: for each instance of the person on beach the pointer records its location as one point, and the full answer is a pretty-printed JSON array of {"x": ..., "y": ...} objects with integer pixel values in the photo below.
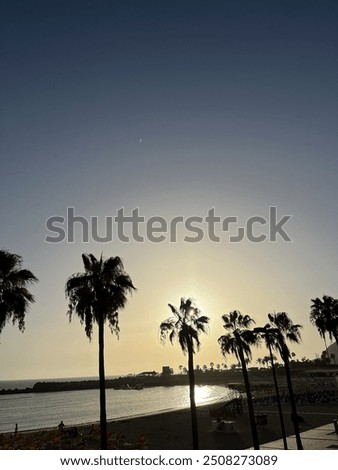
[
  {"x": 16, "y": 429},
  {"x": 61, "y": 426}
]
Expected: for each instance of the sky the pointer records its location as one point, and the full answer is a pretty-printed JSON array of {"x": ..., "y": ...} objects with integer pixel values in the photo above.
[{"x": 174, "y": 108}]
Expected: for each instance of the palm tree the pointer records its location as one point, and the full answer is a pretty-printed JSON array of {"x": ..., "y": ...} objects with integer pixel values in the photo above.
[
  {"x": 284, "y": 329},
  {"x": 15, "y": 298},
  {"x": 267, "y": 360},
  {"x": 260, "y": 362},
  {"x": 96, "y": 296},
  {"x": 324, "y": 316},
  {"x": 238, "y": 341},
  {"x": 186, "y": 325},
  {"x": 266, "y": 332}
]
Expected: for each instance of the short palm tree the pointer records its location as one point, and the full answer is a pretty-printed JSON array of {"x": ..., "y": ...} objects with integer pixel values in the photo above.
[
  {"x": 260, "y": 361},
  {"x": 186, "y": 325},
  {"x": 15, "y": 298},
  {"x": 324, "y": 316},
  {"x": 285, "y": 330},
  {"x": 96, "y": 296},
  {"x": 238, "y": 341},
  {"x": 267, "y": 361}
]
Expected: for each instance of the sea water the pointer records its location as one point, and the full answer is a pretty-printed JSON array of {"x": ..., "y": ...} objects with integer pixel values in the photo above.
[{"x": 46, "y": 410}]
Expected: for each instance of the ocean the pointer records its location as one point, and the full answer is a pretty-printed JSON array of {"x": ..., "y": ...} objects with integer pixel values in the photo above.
[
  {"x": 45, "y": 410},
  {"x": 28, "y": 383}
]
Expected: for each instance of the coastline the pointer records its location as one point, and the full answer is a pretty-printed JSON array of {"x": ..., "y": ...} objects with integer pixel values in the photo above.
[
  {"x": 83, "y": 424},
  {"x": 116, "y": 383},
  {"x": 171, "y": 430},
  {"x": 79, "y": 408}
]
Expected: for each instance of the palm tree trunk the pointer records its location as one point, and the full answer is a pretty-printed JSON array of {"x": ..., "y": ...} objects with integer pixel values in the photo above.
[
  {"x": 292, "y": 402},
  {"x": 278, "y": 398},
  {"x": 335, "y": 335},
  {"x": 255, "y": 439},
  {"x": 194, "y": 426},
  {"x": 327, "y": 352},
  {"x": 103, "y": 417}
]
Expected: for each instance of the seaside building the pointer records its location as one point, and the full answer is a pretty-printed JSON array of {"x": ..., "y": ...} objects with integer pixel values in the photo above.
[
  {"x": 167, "y": 370},
  {"x": 147, "y": 373},
  {"x": 332, "y": 351}
]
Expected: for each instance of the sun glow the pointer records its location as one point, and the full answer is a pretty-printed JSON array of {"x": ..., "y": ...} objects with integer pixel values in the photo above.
[{"x": 202, "y": 394}]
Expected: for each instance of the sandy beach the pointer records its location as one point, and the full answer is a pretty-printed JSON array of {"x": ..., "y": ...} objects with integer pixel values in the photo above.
[{"x": 172, "y": 431}]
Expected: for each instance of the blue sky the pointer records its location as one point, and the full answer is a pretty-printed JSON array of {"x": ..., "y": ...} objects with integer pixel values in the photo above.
[{"x": 175, "y": 108}]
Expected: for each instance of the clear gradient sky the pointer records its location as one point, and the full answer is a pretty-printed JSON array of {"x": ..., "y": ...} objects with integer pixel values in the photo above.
[{"x": 174, "y": 107}]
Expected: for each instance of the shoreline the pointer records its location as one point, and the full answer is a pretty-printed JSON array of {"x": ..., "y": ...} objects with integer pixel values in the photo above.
[
  {"x": 118, "y": 383},
  {"x": 72, "y": 406},
  {"x": 85, "y": 424},
  {"x": 171, "y": 430}
]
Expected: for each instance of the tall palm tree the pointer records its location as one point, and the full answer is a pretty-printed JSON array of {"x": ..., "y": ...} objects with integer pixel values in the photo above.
[
  {"x": 324, "y": 316},
  {"x": 286, "y": 330},
  {"x": 267, "y": 333},
  {"x": 186, "y": 325},
  {"x": 96, "y": 296},
  {"x": 238, "y": 341},
  {"x": 15, "y": 298}
]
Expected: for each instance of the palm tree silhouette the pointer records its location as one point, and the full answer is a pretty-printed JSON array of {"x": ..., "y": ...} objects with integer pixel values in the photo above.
[
  {"x": 285, "y": 329},
  {"x": 267, "y": 361},
  {"x": 96, "y": 296},
  {"x": 238, "y": 341},
  {"x": 324, "y": 316},
  {"x": 268, "y": 333},
  {"x": 186, "y": 325},
  {"x": 15, "y": 298},
  {"x": 260, "y": 361}
]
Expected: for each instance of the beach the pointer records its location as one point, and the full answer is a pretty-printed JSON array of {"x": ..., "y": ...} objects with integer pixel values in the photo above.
[{"x": 172, "y": 431}]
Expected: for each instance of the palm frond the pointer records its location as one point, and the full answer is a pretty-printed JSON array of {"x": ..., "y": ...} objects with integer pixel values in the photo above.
[
  {"x": 286, "y": 331},
  {"x": 87, "y": 263},
  {"x": 239, "y": 338},
  {"x": 186, "y": 325},
  {"x": 324, "y": 315},
  {"x": 99, "y": 292},
  {"x": 113, "y": 265},
  {"x": 15, "y": 298}
]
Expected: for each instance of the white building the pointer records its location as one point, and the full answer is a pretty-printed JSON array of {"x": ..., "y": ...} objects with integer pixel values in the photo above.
[{"x": 332, "y": 351}]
